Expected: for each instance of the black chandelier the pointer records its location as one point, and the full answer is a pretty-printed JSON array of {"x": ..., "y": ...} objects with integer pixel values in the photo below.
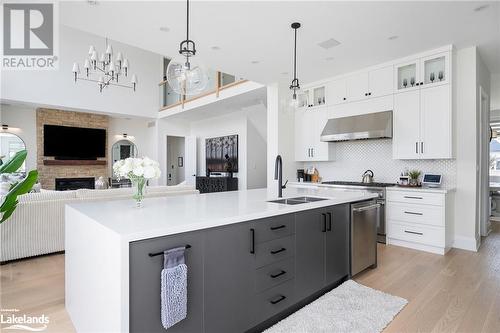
[
  {"x": 295, "y": 82},
  {"x": 187, "y": 47}
]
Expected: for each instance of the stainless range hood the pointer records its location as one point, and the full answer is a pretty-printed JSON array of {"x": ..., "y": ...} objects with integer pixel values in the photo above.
[{"x": 366, "y": 126}]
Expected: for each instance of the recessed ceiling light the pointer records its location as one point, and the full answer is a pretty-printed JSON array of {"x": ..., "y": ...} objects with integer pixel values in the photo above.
[
  {"x": 393, "y": 37},
  {"x": 255, "y": 62},
  {"x": 215, "y": 48},
  {"x": 284, "y": 73},
  {"x": 165, "y": 29},
  {"x": 329, "y": 58},
  {"x": 479, "y": 8},
  {"x": 92, "y": 2},
  {"x": 329, "y": 43}
]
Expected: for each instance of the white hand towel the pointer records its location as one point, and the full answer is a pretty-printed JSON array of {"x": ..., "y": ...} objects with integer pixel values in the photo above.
[{"x": 173, "y": 287}]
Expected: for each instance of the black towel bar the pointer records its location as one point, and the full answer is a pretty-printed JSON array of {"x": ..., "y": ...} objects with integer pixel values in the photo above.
[{"x": 160, "y": 253}]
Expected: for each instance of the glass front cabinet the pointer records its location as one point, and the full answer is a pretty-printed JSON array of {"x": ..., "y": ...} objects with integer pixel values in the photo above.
[
  {"x": 423, "y": 72},
  {"x": 312, "y": 97}
]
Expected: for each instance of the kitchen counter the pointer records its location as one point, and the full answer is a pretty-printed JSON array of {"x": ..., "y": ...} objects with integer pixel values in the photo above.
[
  {"x": 99, "y": 237},
  {"x": 421, "y": 189},
  {"x": 171, "y": 215}
]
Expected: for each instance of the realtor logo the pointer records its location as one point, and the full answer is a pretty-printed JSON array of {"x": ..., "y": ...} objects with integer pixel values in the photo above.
[{"x": 29, "y": 36}]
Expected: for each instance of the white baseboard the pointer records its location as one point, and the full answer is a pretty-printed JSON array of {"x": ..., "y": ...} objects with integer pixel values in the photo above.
[{"x": 466, "y": 243}]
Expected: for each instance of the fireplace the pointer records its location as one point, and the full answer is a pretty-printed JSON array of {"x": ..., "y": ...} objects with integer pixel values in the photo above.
[{"x": 65, "y": 184}]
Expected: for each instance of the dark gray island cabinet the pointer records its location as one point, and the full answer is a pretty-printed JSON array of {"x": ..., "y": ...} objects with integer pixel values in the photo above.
[{"x": 245, "y": 275}]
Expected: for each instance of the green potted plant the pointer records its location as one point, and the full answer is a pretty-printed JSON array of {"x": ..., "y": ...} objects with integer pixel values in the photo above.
[
  {"x": 9, "y": 201},
  {"x": 414, "y": 176}
]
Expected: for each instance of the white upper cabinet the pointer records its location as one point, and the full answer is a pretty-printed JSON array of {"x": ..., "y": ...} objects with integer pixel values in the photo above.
[
  {"x": 435, "y": 122},
  {"x": 312, "y": 97},
  {"x": 309, "y": 124},
  {"x": 357, "y": 87},
  {"x": 381, "y": 82},
  {"x": 423, "y": 72},
  {"x": 406, "y": 125},
  {"x": 336, "y": 91}
]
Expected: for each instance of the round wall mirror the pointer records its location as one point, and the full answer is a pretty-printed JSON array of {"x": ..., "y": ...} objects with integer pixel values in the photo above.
[
  {"x": 123, "y": 149},
  {"x": 10, "y": 144}
]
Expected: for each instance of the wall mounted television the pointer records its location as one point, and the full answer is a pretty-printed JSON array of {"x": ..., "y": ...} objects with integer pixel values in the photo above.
[{"x": 74, "y": 143}]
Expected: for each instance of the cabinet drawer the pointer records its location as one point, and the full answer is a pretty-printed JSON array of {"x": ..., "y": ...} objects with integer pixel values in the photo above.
[
  {"x": 416, "y": 197},
  {"x": 278, "y": 249},
  {"x": 274, "y": 227},
  {"x": 434, "y": 236},
  {"x": 274, "y": 300},
  {"x": 274, "y": 274},
  {"x": 414, "y": 213}
]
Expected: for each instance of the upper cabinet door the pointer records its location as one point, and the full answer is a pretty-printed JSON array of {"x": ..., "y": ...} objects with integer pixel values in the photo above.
[
  {"x": 407, "y": 76},
  {"x": 380, "y": 82},
  {"x": 321, "y": 150},
  {"x": 303, "y": 128},
  {"x": 406, "y": 125},
  {"x": 435, "y": 70},
  {"x": 337, "y": 92},
  {"x": 357, "y": 87},
  {"x": 435, "y": 122}
]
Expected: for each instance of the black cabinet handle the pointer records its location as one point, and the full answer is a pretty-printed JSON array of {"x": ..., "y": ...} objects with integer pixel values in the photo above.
[
  {"x": 278, "y": 227},
  {"x": 417, "y": 84},
  {"x": 329, "y": 221},
  {"x": 366, "y": 94},
  {"x": 369, "y": 94},
  {"x": 414, "y": 232},
  {"x": 278, "y": 251},
  {"x": 345, "y": 98},
  {"x": 276, "y": 301},
  {"x": 324, "y": 222},
  {"x": 411, "y": 197},
  {"x": 252, "y": 241},
  {"x": 274, "y": 276},
  {"x": 421, "y": 83},
  {"x": 413, "y": 213}
]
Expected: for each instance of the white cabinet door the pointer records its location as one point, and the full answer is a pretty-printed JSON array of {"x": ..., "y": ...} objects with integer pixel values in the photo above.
[
  {"x": 190, "y": 160},
  {"x": 304, "y": 125},
  {"x": 357, "y": 87},
  {"x": 406, "y": 125},
  {"x": 380, "y": 82},
  {"x": 320, "y": 150},
  {"x": 407, "y": 76},
  {"x": 435, "y": 122},
  {"x": 336, "y": 92},
  {"x": 435, "y": 70}
]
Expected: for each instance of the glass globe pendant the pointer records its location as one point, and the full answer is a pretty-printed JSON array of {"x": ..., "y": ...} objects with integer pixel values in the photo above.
[{"x": 185, "y": 75}]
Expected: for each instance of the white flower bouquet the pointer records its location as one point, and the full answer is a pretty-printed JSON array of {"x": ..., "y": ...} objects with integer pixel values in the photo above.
[{"x": 139, "y": 171}]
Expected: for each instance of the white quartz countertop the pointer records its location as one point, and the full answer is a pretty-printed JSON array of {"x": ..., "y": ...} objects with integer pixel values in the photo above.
[
  {"x": 421, "y": 189},
  {"x": 176, "y": 214}
]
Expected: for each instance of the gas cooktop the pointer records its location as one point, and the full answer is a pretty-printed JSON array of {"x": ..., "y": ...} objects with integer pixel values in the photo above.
[{"x": 338, "y": 182}]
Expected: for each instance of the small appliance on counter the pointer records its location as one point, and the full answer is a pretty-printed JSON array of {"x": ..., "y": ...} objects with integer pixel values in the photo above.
[
  {"x": 301, "y": 175},
  {"x": 432, "y": 180}
]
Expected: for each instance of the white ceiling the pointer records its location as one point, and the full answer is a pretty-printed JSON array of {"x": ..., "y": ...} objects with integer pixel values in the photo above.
[{"x": 249, "y": 31}]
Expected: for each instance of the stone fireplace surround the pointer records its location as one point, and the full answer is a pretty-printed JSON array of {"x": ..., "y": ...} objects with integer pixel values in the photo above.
[{"x": 49, "y": 173}]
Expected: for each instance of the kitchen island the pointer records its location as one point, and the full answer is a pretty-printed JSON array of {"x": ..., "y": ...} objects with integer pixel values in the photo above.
[{"x": 249, "y": 259}]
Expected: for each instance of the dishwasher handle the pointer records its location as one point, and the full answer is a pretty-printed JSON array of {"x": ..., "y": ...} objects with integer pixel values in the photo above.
[{"x": 364, "y": 208}]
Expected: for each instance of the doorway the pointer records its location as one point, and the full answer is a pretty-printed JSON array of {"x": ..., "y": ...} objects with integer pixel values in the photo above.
[
  {"x": 487, "y": 163},
  {"x": 176, "y": 147}
]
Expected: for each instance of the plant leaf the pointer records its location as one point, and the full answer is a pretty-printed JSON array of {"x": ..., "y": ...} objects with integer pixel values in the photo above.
[
  {"x": 10, "y": 202},
  {"x": 14, "y": 163}
]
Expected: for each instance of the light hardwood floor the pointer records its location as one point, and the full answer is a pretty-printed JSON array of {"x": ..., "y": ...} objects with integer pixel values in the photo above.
[{"x": 459, "y": 292}]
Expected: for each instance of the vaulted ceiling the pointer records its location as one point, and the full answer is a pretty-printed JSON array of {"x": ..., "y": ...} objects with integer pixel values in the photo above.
[{"x": 253, "y": 39}]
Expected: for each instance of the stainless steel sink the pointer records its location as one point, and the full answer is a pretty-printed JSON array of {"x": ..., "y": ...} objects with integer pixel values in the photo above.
[{"x": 297, "y": 200}]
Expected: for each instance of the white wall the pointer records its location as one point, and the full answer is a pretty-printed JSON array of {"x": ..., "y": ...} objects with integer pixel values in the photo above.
[
  {"x": 234, "y": 123},
  {"x": 22, "y": 122},
  {"x": 57, "y": 88},
  {"x": 257, "y": 146},
  {"x": 495, "y": 92}
]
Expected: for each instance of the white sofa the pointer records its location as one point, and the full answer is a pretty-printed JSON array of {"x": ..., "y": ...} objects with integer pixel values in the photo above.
[{"x": 37, "y": 225}]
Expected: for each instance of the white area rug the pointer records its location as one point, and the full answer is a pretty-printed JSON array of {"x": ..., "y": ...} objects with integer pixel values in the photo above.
[{"x": 351, "y": 307}]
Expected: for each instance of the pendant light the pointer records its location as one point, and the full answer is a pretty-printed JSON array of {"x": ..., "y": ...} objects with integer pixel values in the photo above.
[
  {"x": 295, "y": 82},
  {"x": 185, "y": 75}
]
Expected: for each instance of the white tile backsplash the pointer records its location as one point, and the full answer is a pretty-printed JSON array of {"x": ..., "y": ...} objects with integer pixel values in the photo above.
[{"x": 352, "y": 158}]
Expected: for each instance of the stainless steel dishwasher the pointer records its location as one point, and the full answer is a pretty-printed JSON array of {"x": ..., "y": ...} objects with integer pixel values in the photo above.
[{"x": 364, "y": 221}]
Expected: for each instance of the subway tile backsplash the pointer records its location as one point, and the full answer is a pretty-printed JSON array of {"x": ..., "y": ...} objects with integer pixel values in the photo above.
[{"x": 352, "y": 158}]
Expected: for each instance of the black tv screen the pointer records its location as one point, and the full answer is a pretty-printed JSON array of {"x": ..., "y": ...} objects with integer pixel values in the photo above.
[{"x": 66, "y": 142}]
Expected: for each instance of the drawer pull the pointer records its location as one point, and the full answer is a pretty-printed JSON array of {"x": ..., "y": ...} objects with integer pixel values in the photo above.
[
  {"x": 252, "y": 241},
  {"x": 414, "y": 232},
  {"x": 278, "y": 251},
  {"x": 411, "y": 197},
  {"x": 274, "y": 276},
  {"x": 279, "y": 299},
  {"x": 413, "y": 213},
  {"x": 278, "y": 227}
]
